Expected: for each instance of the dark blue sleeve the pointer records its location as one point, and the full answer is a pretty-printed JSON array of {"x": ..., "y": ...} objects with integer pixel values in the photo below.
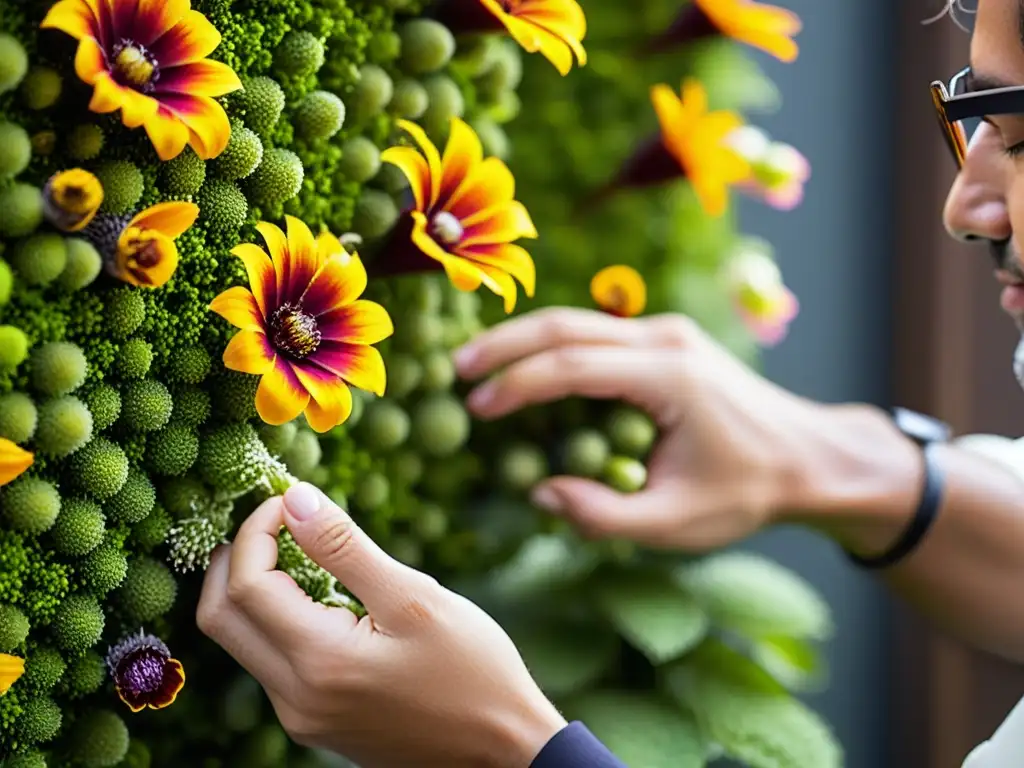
[{"x": 576, "y": 747}]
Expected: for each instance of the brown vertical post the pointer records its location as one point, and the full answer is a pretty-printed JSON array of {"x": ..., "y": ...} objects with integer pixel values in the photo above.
[{"x": 952, "y": 350}]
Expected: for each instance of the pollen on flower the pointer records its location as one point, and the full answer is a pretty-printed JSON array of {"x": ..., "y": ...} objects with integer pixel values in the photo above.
[
  {"x": 294, "y": 332},
  {"x": 144, "y": 673},
  {"x": 135, "y": 66},
  {"x": 447, "y": 228}
]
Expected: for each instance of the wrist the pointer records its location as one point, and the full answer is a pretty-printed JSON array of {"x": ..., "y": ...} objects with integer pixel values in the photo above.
[
  {"x": 521, "y": 734},
  {"x": 861, "y": 483}
]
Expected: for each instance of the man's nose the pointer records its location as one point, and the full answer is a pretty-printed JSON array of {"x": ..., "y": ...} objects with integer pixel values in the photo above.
[{"x": 976, "y": 205}]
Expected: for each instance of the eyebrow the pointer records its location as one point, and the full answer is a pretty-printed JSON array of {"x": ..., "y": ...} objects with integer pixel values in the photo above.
[{"x": 976, "y": 82}]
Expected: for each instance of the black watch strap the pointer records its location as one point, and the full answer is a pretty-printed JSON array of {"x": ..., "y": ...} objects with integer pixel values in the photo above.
[{"x": 926, "y": 432}]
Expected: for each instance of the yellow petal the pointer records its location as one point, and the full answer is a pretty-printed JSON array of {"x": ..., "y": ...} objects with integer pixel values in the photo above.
[
  {"x": 507, "y": 257},
  {"x": 170, "y": 219},
  {"x": 330, "y": 400},
  {"x": 552, "y": 47},
  {"x": 491, "y": 184},
  {"x": 261, "y": 275},
  {"x": 238, "y": 306},
  {"x": 168, "y": 134},
  {"x": 277, "y": 243},
  {"x": 461, "y": 155},
  {"x": 11, "y": 669},
  {"x": 414, "y": 166},
  {"x": 430, "y": 153},
  {"x": 280, "y": 396},
  {"x": 361, "y": 322},
  {"x": 360, "y": 365},
  {"x": 502, "y": 284},
  {"x": 502, "y": 225},
  {"x": 13, "y": 460},
  {"x": 73, "y": 17},
  {"x": 619, "y": 290},
  {"x": 107, "y": 96},
  {"x": 300, "y": 263},
  {"x": 89, "y": 60},
  {"x": 249, "y": 351},
  {"x": 328, "y": 246},
  {"x": 145, "y": 258}
]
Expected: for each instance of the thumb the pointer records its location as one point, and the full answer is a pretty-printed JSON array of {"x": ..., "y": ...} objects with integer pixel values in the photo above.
[
  {"x": 331, "y": 538},
  {"x": 646, "y": 517}
]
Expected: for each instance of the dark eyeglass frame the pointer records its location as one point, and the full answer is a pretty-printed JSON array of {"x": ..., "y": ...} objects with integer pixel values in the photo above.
[{"x": 951, "y": 110}]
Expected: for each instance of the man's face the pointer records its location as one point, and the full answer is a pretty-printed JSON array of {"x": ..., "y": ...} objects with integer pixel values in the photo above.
[{"x": 986, "y": 201}]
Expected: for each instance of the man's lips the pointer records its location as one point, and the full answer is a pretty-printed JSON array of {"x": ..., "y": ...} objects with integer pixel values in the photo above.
[{"x": 1012, "y": 297}]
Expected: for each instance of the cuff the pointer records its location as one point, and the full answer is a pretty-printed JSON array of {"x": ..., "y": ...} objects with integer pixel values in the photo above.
[{"x": 576, "y": 747}]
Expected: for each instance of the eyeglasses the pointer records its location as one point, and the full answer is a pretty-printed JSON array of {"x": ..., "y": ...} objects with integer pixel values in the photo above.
[{"x": 960, "y": 111}]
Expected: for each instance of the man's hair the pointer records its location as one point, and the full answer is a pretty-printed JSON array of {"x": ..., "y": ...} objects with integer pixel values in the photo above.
[{"x": 956, "y": 10}]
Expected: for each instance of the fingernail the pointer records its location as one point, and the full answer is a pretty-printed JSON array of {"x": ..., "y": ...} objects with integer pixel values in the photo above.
[
  {"x": 481, "y": 397},
  {"x": 547, "y": 499},
  {"x": 465, "y": 356},
  {"x": 303, "y": 501}
]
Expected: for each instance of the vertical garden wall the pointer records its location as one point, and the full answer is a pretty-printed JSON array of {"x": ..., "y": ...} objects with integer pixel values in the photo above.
[{"x": 230, "y": 259}]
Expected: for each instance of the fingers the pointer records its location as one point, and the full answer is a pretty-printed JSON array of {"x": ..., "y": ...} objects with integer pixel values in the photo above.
[
  {"x": 558, "y": 327},
  {"x": 392, "y": 592},
  {"x": 643, "y": 377}
]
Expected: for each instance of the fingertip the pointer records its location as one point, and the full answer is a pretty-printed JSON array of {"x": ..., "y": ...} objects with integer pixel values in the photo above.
[{"x": 466, "y": 359}]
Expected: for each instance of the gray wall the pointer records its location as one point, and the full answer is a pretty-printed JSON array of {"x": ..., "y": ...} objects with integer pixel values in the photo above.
[{"x": 834, "y": 251}]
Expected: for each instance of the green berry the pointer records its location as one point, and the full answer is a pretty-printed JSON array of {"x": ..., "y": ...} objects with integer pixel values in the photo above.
[
  {"x": 82, "y": 267},
  {"x": 44, "y": 668},
  {"x": 431, "y": 522},
  {"x": 85, "y": 142},
  {"x": 149, "y": 590},
  {"x": 31, "y": 759},
  {"x": 189, "y": 365},
  {"x": 304, "y": 454},
  {"x": 145, "y": 405},
  {"x": 43, "y": 143},
  {"x": 445, "y": 102},
  {"x": 6, "y": 282},
  {"x": 58, "y": 368},
  {"x": 39, "y": 722},
  {"x": 319, "y": 115},
  {"x": 242, "y": 155},
  {"x": 99, "y": 739},
  {"x": 505, "y": 72},
  {"x": 191, "y": 407},
  {"x": 30, "y": 505},
  {"x": 13, "y": 62},
  {"x": 79, "y": 623},
  {"x": 263, "y": 102},
  {"x": 278, "y": 438},
  {"x": 13, "y": 347},
  {"x": 123, "y": 186},
  {"x": 477, "y": 53},
  {"x": 84, "y": 675},
  {"x": 278, "y": 178},
  {"x": 100, "y": 468},
  {"x": 18, "y": 417},
  {"x": 40, "y": 259},
  {"x": 105, "y": 404},
  {"x": 134, "y": 501},
  {"x": 183, "y": 175},
  {"x": 173, "y": 450},
  {"x": 407, "y": 550},
  {"x": 360, "y": 160},
  {"x": 41, "y": 88},
  {"x": 390, "y": 179},
  {"x": 79, "y": 528},
  {"x": 440, "y": 425},
  {"x": 65, "y": 425},
  {"x": 222, "y": 206},
  {"x": 521, "y": 466},
  {"x": 585, "y": 453},
  {"x": 384, "y": 47},
  {"x": 124, "y": 311},
  {"x": 104, "y": 569},
  {"x": 375, "y": 214},
  {"x": 384, "y": 425},
  {"x": 372, "y": 92},
  {"x": 419, "y": 333},
  {"x": 300, "y": 54},
  {"x": 404, "y": 374},
  {"x": 504, "y": 109},
  {"x": 427, "y": 45},
  {"x": 234, "y": 395},
  {"x": 438, "y": 371},
  {"x": 410, "y": 99},
  {"x": 14, "y": 627},
  {"x": 22, "y": 205},
  {"x": 134, "y": 359},
  {"x": 406, "y": 467},
  {"x": 15, "y": 149},
  {"x": 152, "y": 532},
  {"x": 631, "y": 432},
  {"x": 372, "y": 492},
  {"x": 625, "y": 474},
  {"x": 493, "y": 138}
]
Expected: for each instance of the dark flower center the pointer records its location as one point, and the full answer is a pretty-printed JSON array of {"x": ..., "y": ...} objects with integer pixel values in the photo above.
[
  {"x": 134, "y": 65},
  {"x": 294, "y": 332},
  {"x": 141, "y": 672},
  {"x": 446, "y": 228}
]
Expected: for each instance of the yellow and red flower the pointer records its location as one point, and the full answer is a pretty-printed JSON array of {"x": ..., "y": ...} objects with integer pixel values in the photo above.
[
  {"x": 619, "y": 290},
  {"x": 762, "y": 26},
  {"x": 147, "y": 58},
  {"x": 778, "y": 170},
  {"x": 71, "y": 199},
  {"x": 763, "y": 301},
  {"x": 140, "y": 249},
  {"x": 303, "y": 327},
  {"x": 465, "y": 215},
  {"x": 13, "y": 460},
  {"x": 144, "y": 673},
  {"x": 555, "y": 28},
  {"x": 11, "y": 670}
]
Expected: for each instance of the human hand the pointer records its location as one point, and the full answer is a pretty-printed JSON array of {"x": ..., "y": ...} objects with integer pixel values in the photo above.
[
  {"x": 735, "y": 451},
  {"x": 425, "y": 679}
]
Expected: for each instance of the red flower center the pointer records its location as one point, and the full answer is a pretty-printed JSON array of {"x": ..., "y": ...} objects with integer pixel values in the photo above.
[
  {"x": 446, "y": 228},
  {"x": 294, "y": 332},
  {"x": 134, "y": 65}
]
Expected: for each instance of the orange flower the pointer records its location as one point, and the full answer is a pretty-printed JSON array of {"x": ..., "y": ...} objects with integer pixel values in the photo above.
[
  {"x": 148, "y": 59},
  {"x": 465, "y": 215},
  {"x": 762, "y": 26},
  {"x": 13, "y": 460},
  {"x": 11, "y": 670},
  {"x": 71, "y": 199},
  {"x": 619, "y": 290},
  {"x": 140, "y": 250},
  {"x": 303, "y": 327}
]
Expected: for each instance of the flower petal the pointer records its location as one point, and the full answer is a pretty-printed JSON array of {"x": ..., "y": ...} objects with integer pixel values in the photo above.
[
  {"x": 191, "y": 39},
  {"x": 500, "y": 283},
  {"x": 145, "y": 258},
  {"x": 173, "y": 682},
  {"x": 155, "y": 17},
  {"x": 361, "y": 322},
  {"x": 535, "y": 38},
  {"x": 414, "y": 166},
  {"x": 260, "y": 270},
  {"x": 507, "y": 257},
  {"x": 424, "y": 241},
  {"x": 462, "y": 154},
  {"x": 106, "y": 95},
  {"x": 13, "y": 460},
  {"x": 360, "y": 365},
  {"x": 298, "y": 265},
  {"x": 199, "y": 78},
  {"x": 340, "y": 281},
  {"x": 238, "y": 306},
  {"x": 277, "y": 242},
  {"x": 503, "y": 226},
  {"x": 73, "y": 17},
  {"x": 327, "y": 246},
  {"x": 490, "y": 184},
  {"x": 330, "y": 401},
  {"x": 89, "y": 61},
  {"x": 619, "y": 290},
  {"x": 249, "y": 351},
  {"x": 280, "y": 396},
  {"x": 168, "y": 134},
  {"x": 431, "y": 154},
  {"x": 206, "y": 120},
  {"x": 170, "y": 219},
  {"x": 11, "y": 670}
]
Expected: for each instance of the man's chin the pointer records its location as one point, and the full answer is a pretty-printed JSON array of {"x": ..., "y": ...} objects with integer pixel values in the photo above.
[{"x": 1018, "y": 360}]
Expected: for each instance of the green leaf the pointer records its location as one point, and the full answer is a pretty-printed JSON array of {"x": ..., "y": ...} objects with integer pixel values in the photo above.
[
  {"x": 795, "y": 663},
  {"x": 743, "y": 709},
  {"x": 643, "y": 730},
  {"x": 756, "y": 597},
  {"x": 543, "y": 563},
  {"x": 652, "y": 612},
  {"x": 565, "y": 657},
  {"x": 732, "y": 78}
]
